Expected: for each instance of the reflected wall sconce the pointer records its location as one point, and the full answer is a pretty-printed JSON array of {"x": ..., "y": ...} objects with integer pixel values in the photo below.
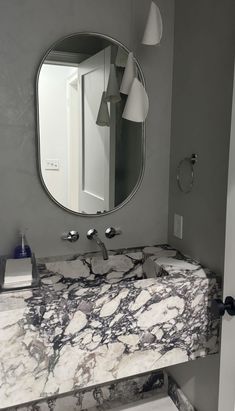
[
  {"x": 137, "y": 104},
  {"x": 154, "y": 27},
  {"x": 112, "y": 93},
  {"x": 129, "y": 75},
  {"x": 121, "y": 58},
  {"x": 103, "y": 118}
]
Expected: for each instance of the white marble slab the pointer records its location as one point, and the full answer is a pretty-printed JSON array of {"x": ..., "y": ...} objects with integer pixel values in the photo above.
[{"x": 79, "y": 332}]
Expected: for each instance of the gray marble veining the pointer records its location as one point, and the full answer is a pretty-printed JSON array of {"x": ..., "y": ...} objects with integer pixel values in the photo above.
[{"x": 93, "y": 322}]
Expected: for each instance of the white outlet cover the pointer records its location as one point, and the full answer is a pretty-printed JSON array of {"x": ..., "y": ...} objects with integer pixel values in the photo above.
[{"x": 52, "y": 164}]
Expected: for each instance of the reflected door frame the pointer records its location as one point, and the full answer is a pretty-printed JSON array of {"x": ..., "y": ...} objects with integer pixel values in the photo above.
[{"x": 73, "y": 141}]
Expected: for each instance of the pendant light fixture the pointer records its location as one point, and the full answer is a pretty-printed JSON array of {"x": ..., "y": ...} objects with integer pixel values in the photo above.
[
  {"x": 103, "y": 118},
  {"x": 129, "y": 75},
  {"x": 154, "y": 27},
  {"x": 112, "y": 93},
  {"x": 137, "y": 105},
  {"x": 121, "y": 58}
]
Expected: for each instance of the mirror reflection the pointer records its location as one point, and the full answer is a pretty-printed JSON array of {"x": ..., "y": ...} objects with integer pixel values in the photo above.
[{"x": 91, "y": 158}]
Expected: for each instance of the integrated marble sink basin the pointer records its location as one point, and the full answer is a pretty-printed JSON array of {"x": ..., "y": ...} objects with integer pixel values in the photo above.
[
  {"x": 91, "y": 270},
  {"x": 123, "y": 265},
  {"x": 94, "y": 321}
]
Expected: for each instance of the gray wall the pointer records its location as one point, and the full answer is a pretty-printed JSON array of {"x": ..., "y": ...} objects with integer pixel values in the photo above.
[
  {"x": 201, "y": 114},
  {"x": 199, "y": 380},
  {"x": 201, "y": 119},
  {"x": 27, "y": 29}
]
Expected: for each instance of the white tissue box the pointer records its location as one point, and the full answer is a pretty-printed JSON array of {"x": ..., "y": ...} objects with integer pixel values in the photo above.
[
  {"x": 18, "y": 273},
  {"x": 19, "y": 270}
]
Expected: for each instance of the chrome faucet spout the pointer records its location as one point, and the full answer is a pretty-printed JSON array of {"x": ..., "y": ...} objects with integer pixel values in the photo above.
[
  {"x": 102, "y": 247},
  {"x": 93, "y": 235}
]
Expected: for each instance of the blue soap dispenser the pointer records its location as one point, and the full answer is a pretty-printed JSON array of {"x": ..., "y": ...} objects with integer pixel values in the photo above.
[{"x": 22, "y": 250}]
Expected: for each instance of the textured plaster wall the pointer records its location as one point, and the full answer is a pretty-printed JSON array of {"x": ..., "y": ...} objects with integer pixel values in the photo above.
[{"x": 27, "y": 29}]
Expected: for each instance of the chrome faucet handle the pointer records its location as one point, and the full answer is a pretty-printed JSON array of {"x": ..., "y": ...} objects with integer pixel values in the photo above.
[
  {"x": 111, "y": 232},
  {"x": 72, "y": 236},
  {"x": 91, "y": 233}
]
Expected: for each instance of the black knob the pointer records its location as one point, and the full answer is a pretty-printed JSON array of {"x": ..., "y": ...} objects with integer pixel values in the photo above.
[{"x": 218, "y": 308}]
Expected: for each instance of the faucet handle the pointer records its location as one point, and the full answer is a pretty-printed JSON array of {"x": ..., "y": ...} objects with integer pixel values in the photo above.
[
  {"x": 71, "y": 236},
  {"x": 91, "y": 233},
  {"x": 111, "y": 232}
]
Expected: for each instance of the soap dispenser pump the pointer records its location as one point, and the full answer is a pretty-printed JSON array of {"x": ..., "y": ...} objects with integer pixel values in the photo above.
[{"x": 22, "y": 250}]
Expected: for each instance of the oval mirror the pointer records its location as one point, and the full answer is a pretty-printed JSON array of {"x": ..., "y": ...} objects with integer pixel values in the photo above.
[{"x": 90, "y": 158}]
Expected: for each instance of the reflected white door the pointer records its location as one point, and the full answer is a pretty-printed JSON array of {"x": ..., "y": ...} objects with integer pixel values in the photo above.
[
  {"x": 95, "y": 145},
  {"x": 227, "y": 363}
]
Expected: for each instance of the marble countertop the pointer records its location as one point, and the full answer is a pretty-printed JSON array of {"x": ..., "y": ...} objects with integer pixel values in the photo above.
[{"x": 94, "y": 321}]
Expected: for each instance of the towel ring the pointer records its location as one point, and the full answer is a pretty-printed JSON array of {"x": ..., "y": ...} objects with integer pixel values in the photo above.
[{"x": 185, "y": 173}]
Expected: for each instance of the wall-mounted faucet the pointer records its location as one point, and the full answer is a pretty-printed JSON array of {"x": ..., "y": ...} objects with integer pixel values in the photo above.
[
  {"x": 92, "y": 234},
  {"x": 72, "y": 236},
  {"x": 111, "y": 232}
]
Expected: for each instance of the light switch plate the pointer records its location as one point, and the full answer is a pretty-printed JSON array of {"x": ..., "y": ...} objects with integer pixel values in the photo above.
[
  {"x": 52, "y": 164},
  {"x": 178, "y": 226}
]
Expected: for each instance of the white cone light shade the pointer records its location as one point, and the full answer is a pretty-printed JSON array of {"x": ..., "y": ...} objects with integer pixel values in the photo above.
[
  {"x": 137, "y": 105},
  {"x": 112, "y": 93},
  {"x": 154, "y": 27},
  {"x": 129, "y": 75},
  {"x": 103, "y": 118},
  {"x": 121, "y": 58}
]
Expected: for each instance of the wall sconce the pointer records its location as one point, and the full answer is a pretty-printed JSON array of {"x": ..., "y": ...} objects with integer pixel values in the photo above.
[
  {"x": 154, "y": 27},
  {"x": 121, "y": 58},
  {"x": 103, "y": 118},
  {"x": 112, "y": 93},
  {"x": 129, "y": 75},
  {"x": 137, "y": 104}
]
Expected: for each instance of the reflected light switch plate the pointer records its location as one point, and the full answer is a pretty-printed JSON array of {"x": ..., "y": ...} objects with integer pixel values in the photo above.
[
  {"x": 178, "y": 226},
  {"x": 52, "y": 164}
]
